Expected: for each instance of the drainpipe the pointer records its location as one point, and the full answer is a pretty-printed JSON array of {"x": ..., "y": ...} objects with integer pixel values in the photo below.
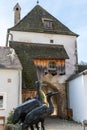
[
  {"x": 7, "y": 38},
  {"x": 19, "y": 87},
  {"x": 76, "y": 56}
]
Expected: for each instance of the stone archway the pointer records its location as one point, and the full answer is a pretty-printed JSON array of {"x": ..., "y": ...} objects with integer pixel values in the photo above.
[{"x": 59, "y": 101}]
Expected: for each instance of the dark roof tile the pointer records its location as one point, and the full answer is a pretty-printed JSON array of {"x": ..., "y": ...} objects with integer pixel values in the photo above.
[
  {"x": 28, "y": 51},
  {"x": 42, "y": 51},
  {"x": 32, "y": 22},
  {"x": 81, "y": 68}
]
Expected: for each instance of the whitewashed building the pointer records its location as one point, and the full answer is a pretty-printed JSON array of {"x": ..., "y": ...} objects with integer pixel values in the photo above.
[
  {"x": 78, "y": 96},
  {"x": 10, "y": 81},
  {"x": 47, "y": 46},
  {"x": 38, "y": 26}
]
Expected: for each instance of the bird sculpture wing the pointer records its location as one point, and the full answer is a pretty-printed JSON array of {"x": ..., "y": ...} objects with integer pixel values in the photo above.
[
  {"x": 34, "y": 116},
  {"x": 21, "y": 111}
]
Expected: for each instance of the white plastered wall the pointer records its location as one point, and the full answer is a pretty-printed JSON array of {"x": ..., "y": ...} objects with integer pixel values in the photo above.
[
  {"x": 10, "y": 85},
  {"x": 69, "y": 43},
  {"x": 78, "y": 98}
]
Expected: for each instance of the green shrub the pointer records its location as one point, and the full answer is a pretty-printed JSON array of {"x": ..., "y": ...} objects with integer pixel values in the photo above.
[{"x": 9, "y": 118}]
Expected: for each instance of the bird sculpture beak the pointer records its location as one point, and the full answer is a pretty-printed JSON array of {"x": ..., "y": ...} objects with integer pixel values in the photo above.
[
  {"x": 43, "y": 84},
  {"x": 39, "y": 83},
  {"x": 54, "y": 93},
  {"x": 51, "y": 93}
]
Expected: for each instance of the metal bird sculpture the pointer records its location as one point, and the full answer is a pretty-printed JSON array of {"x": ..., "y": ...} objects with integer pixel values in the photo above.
[
  {"x": 39, "y": 114},
  {"x": 22, "y": 110}
]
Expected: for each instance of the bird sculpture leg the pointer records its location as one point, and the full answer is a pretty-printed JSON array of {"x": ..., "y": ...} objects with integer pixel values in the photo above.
[
  {"x": 32, "y": 127},
  {"x": 24, "y": 128},
  {"x": 42, "y": 125},
  {"x": 37, "y": 126}
]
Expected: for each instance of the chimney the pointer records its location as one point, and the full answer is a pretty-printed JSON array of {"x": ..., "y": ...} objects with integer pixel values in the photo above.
[{"x": 17, "y": 10}]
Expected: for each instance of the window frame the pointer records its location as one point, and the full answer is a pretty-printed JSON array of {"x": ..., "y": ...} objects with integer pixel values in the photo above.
[
  {"x": 52, "y": 65},
  {"x": 4, "y": 95},
  {"x": 52, "y": 68},
  {"x": 48, "y": 23}
]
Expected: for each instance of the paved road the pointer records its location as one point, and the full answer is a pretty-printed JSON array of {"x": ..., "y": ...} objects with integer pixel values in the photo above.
[
  {"x": 58, "y": 124},
  {"x": 1, "y": 128}
]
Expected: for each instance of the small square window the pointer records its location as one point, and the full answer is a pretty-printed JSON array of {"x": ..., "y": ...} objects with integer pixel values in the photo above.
[
  {"x": 9, "y": 80},
  {"x": 51, "y": 41}
]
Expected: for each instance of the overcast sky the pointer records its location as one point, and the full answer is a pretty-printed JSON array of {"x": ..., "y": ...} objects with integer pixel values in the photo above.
[{"x": 72, "y": 13}]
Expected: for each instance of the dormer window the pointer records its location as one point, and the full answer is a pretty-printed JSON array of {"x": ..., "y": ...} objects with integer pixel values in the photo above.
[{"x": 48, "y": 23}]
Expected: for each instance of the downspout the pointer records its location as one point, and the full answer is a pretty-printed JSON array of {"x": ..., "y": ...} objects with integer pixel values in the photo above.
[
  {"x": 19, "y": 87},
  {"x": 7, "y": 38},
  {"x": 76, "y": 56}
]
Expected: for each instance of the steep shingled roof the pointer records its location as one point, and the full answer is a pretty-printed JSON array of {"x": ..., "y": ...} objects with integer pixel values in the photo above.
[
  {"x": 9, "y": 60},
  {"x": 28, "y": 51},
  {"x": 41, "y": 51},
  {"x": 32, "y": 22},
  {"x": 82, "y": 68}
]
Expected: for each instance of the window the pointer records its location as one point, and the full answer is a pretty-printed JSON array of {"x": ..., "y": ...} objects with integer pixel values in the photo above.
[
  {"x": 61, "y": 70},
  {"x": 52, "y": 68},
  {"x": 52, "y": 65},
  {"x": 51, "y": 41},
  {"x": 2, "y": 100},
  {"x": 9, "y": 80},
  {"x": 48, "y": 23},
  {"x": 56, "y": 68}
]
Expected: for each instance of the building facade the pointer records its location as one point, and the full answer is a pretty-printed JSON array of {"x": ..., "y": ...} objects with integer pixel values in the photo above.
[
  {"x": 78, "y": 96},
  {"x": 47, "y": 50},
  {"x": 10, "y": 81}
]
